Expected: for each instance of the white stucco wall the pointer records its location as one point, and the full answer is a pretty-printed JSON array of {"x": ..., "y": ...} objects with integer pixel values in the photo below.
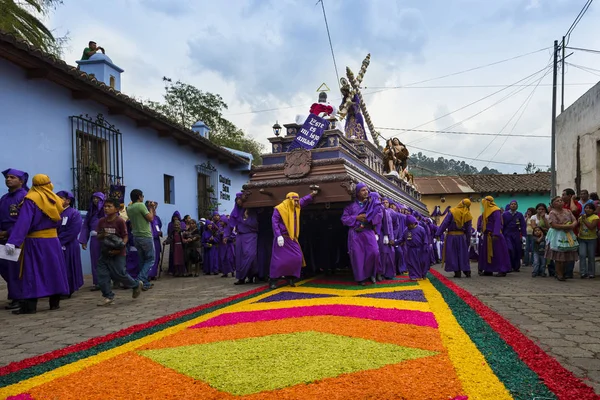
[{"x": 581, "y": 119}]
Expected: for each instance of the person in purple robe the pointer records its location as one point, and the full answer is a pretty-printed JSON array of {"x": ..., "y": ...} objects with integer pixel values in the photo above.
[
  {"x": 68, "y": 232},
  {"x": 401, "y": 247},
  {"x": 493, "y": 255},
  {"x": 355, "y": 126},
  {"x": 226, "y": 248},
  {"x": 286, "y": 257},
  {"x": 455, "y": 253},
  {"x": 156, "y": 235},
  {"x": 210, "y": 243},
  {"x": 416, "y": 241},
  {"x": 42, "y": 270},
  {"x": 132, "y": 261},
  {"x": 386, "y": 243},
  {"x": 16, "y": 182},
  {"x": 362, "y": 217},
  {"x": 89, "y": 233},
  {"x": 175, "y": 217},
  {"x": 245, "y": 223},
  {"x": 514, "y": 230}
]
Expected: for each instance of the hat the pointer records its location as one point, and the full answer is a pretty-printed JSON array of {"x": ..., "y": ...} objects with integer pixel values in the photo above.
[{"x": 24, "y": 176}]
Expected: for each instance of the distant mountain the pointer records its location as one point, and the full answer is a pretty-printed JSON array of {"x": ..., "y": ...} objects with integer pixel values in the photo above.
[{"x": 421, "y": 165}]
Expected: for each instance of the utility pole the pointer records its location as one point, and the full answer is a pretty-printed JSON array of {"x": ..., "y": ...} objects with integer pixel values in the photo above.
[
  {"x": 562, "y": 72},
  {"x": 553, "y": 147}
]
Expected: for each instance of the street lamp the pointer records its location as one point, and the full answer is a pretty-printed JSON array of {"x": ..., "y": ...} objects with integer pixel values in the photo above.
[{"x": 276, "y": 128}]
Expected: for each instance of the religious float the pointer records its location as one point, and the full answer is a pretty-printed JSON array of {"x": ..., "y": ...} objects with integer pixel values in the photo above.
[
  {"x": 323, "y": 154},
  {"x": 328, "y": 151}
]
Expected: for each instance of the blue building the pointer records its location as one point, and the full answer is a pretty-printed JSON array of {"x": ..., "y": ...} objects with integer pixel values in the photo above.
[{"x": 77, "y": 126}]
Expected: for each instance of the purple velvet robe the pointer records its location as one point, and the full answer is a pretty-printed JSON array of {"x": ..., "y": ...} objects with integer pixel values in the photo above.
[
  {"x": 156, "y": 233},
  {"x": 226, "y": 251},
  {"x": 43, "y": 263},
  {"x": 362, "y": 244},
  {"x": 287, "y": 260},
  {"x": 500, "y": 259},
  {"x": 417, "y": 258},
  {"x": 169, "y": 233},
  {"x": 355, "y": 125},
  {"x": 456, "y": 247},
  {"x": 68, "y": 232},
  {"x": 246, "y": 243},
  {"x": 514, "y": 228},
  {"x": 211, "y": 252},
  {"x": 387, "y": 252},
  {"x": 9, "y": 212},
  {"x": 399, "y": 227},
  {"x": 91, "y": 224}
]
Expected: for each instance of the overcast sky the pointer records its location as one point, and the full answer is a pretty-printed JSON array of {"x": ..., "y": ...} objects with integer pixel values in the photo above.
[{"x": 274, "y": 54}]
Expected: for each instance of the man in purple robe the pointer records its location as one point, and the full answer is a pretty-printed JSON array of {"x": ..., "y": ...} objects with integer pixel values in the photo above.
[
  {"x": 455, "y": 253},
  {"x": 16, "y": 182},
  {"x": 68, "y": 232},
  {"x": 89, "y": 233},
  {"x": 210, "y": 243},
  {"x": 42, "y": 270},
  {"x": 514, "y": 229},
  {"x": 417, "y": 258},
  {"x": 400, "y": 246},
  {"x": 156, "y": 235},
  {"x": 226, "y": 248},
  {"x": 175, "y": 217},
  {"x": 493, "y": 254},
  {"x": 362, "y": 237},
  {"x": 386, "y": 243},
  {"x": 286, "y": 258},
  {"x": 245, "y": 223}
]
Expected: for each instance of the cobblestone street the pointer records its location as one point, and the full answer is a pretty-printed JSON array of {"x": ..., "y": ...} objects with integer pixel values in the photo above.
[{"x": 563, "y": 318}]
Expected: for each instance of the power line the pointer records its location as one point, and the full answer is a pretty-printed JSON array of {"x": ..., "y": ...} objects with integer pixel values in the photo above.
[
  {"x": 585, "y": 50},
  {"x": 586, "y": 69},
  {"x": 577, "y": 19},
  {"x": 461, "y": 133},
  {"x": 468, "y": 86},
  {"x": 330, "y": 44},
  {"x": 473, "y": 159}
]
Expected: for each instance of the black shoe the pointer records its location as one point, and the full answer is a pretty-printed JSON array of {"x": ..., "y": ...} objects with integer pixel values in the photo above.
[
  {"x": 272, "y": 285},
  {"x": 361, "y": 283},
  {"x": 95, "y": 288},
  {"x": 52, "y": 308},
  {"x": 225, "y": 276},
  {"x": 13, "y": 305},
  {"x": 467, "y": 274},
  {"x": 457, "y": 274},
  {"x": 374, "y": 280},
  {"x": 291, "y": 282},
  {"x": 23, "y": 311},
  {"x": 500, "y": 275},
  {"x": 239, "y": 282}
]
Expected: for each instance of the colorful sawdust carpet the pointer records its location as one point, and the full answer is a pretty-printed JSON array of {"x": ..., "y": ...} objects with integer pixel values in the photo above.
[{"x": 325, "y": 339}]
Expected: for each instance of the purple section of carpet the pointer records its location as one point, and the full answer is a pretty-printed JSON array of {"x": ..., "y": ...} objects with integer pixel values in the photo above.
[
  {"x": 284, "y": 296},
  {"x": 410, "y": 295}
]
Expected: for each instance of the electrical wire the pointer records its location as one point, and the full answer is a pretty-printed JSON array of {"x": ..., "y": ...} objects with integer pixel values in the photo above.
[
  {"x": 577, "y": 19},
  {"x": 584, "y": 50},
  {"x": 461, "y": 133},
  {"x": 472, "y": 158},
  {"x": 586, "y": 69},
  {"x": 330, "y": 44}
]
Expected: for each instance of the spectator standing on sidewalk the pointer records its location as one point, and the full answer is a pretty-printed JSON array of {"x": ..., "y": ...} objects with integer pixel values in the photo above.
[
  {"x": 141, "y": 217},
  {"x": 570, "y": 203},
  {"x": 588, "y": 228}
]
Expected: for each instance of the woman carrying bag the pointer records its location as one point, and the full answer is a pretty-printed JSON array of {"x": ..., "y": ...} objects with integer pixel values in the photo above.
[{"x": 562, "y": 241}]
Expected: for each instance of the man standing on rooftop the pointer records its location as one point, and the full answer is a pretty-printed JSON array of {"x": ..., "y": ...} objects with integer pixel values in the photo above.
[{"x": 92, "y": 49}]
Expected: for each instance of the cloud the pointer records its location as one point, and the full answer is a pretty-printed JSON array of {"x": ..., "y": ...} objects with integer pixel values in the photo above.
[{"x": 170, "y": 8}]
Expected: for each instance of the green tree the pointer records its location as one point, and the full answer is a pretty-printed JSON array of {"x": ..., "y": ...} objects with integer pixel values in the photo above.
[
  {"x": 23, "y": 18},
  {"x": 531, "y": 168},
  {"x": 185, "y": 104}
]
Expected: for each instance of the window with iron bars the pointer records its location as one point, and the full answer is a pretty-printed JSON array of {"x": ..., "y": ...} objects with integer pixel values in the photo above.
[{"x": 97, "y": 157}]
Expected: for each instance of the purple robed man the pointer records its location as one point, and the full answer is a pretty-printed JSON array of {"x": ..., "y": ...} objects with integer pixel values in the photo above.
[
  {"x": 156, "y": 226},
  {"x": 42, "y": 270},
  {"x": 417, "y": 257},
  {"x": 211, "y": 249},
  {"x": 400, "y": 246},
  {"x": 362, "y": 238},
  {"x": 386, "y": 243},
  {"x": 16, "y": 182},
  {"x": 455, "y": 253},
  {"x": 176, "y": 216},
  {"x": 514, "y": 229},
  {"x": 68, "y": 232},
  {"x": 245, "y": 224},
  {"x": 226, "y": 248},
  {"x": 493, "y": 254},
  {"x": 88, "y": 232},
  {"x": 286, "y": 257}
]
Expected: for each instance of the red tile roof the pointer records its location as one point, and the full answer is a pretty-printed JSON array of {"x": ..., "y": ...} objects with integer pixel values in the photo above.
[{"x": 506, "y": 183}]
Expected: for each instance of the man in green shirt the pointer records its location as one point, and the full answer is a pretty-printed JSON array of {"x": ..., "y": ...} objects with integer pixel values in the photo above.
[
  {"x": 92, "y": 49},
  {"x": 140, "y": 217}
]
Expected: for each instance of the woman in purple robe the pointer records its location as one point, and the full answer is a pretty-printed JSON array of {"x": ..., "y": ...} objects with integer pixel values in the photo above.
[
  {"x": 493, "y": 255},
  {"x": 176, "y": 216},
  {"x": 245, "y": 223},
  {"x": 286, "y": 257},
  {"x": 455, "y": 253},
  {"x": 156, "y": 226},
  {"x": 386, "y": 243},
  {"x": 16, "y": 182},
  {"x": 362, "y": 238},
  {"x": 226, "y": 248},
  {"x": 68, "y": 232},
  {"x": 417, "y": 259},
  {"x": 514, "y": 229},
  {"x": 88, "y": 233},
  {"x": 42, "y": 270}
]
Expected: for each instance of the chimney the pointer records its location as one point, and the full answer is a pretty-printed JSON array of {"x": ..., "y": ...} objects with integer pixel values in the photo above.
[
  {"x": 101, "y": 67},
  {"x": 201, "y": 128}
]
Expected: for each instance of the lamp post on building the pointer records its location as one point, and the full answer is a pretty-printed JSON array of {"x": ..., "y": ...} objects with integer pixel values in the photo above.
[{"x": 277, "y": 128}]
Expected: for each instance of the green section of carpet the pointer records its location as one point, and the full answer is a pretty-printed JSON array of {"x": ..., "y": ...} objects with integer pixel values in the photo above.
[
  {"x": 358, "y": 287},
  {"x": 522, "y": 382},
  {"x": 253, "y": 365}
]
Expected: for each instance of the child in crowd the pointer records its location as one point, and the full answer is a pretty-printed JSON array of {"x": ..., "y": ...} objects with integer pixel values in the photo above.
[
  {"x": 539, "y": 248},
  {"x": 112, "y": 234}
]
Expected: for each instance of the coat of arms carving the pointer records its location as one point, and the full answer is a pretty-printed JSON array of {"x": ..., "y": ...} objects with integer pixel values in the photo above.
[{"x": 297, "y": 163}]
